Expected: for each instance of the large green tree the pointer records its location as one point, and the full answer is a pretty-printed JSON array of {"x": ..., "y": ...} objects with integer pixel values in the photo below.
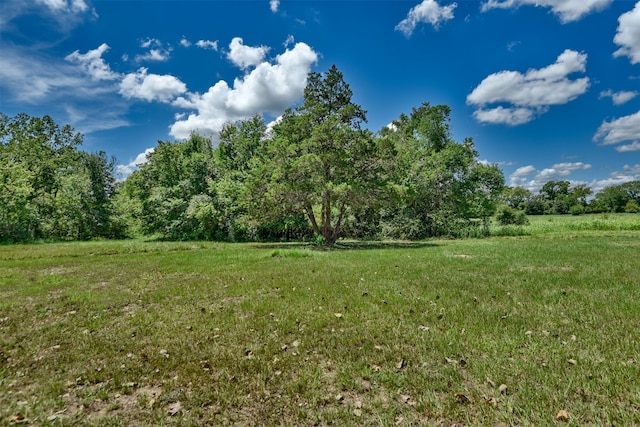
[
  {"x": 49, "y": 188},
  {"x": 443, "y": 185},
  {"x": 319, "y": 161},
  {"x": 171, "y": 194}
]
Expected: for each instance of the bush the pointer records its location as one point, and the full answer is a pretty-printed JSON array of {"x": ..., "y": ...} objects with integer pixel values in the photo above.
[
  {"x": 506, "y": 215},
  {"x": 632, "y": 207},
  {"x": 576, "y": 210}
]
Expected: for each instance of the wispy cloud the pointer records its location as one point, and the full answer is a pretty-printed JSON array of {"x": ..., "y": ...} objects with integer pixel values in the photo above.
[
  {"x": 566, "y": 10},
  {"x": 68, "y": 6},
  {"x": 66, "y": 14},
  {"x": 185, "y": 42},
  {"x": 30, "y": 76},
  {"x": 634, "y": 146},
  {"x": 81, "y": 88}
]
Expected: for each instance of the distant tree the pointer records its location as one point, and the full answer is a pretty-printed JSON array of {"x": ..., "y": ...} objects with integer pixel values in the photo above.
[
  {"x": 632, "y": 189},
  {"x": 577, "y": 210},
  {"x": 552, "y": 190},
  {"x": 632, "y": 207},
  {"x": 562, "y": 197},
  {"x": 538, "y": 205},
  {"x": 578, "y": 195},
  {"x": 516, "y": 197},
  {"x": 612, "y": 199}
]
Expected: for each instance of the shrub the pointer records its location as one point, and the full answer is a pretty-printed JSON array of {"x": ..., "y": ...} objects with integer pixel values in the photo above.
[
  {"x": 506, "y": 215},
  {"x": 632, "y": 207},
  {"x": 576, "y": 210}
]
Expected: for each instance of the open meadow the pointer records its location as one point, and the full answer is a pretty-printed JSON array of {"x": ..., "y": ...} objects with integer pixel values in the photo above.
[{"x": 537, "y": 329}]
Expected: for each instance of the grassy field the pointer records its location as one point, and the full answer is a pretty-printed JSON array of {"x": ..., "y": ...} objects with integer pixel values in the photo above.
[{"x": 539, "y": 329}]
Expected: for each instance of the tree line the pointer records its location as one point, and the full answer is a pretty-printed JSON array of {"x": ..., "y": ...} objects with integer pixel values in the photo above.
[
  {"x": 560, "y": 197},
  {"x": 316, "y": 174}
]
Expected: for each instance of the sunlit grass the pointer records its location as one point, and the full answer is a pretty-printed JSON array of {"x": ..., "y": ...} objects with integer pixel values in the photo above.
[{"x": 139, "y": 333}]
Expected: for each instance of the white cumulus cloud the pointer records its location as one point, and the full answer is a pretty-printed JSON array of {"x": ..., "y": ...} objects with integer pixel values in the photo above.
[
  {"x": 501, "y": 115},
  {"x": 619, "y": 98},
  {"x": 207, "y": 44},
  {"x": 157, "y": 52},
  {"x": 529, "y": 93},
  {"x": 429, "y": 11},
  {"x": 524, "y": 171},
  {"x": 274, "y": 5},
  {"x": 245, "y": 56},
  {"x": 566, "y": 10},
  {"x": 157, "y": 55},
  {"x": 269, "y": 87},
  {"x": 628, "y": 174},
  {"x": 619, "y": 130},
  {"x": 628, "y": 35},
  {"x": 634, "y": 146},
  {"x": 533, "y": 179},
  {"x": 151, "y": 87},
  {"x": 93, "y": 64},
  {"x": 123, "y": 171}
]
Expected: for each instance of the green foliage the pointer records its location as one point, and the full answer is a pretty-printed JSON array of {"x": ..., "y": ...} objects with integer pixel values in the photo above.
[
  {"x": 169, "y": 195},
  {"x": 506, "y": 215},
  {"x": 616, "y": 197},
  {"x": 516, "y": 197},
  {"x": 440, "y": 183},
  {"x": 49, "y": 189},
  {"x": 315, "y": 173},
  {"x": 318, "y": 161},
  {"x": 537, "y": 205},
  {"x": 577, "y": 210}
]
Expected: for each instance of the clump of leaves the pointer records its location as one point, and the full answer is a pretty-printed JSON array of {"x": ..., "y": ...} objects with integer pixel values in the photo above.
[{"x": 506, "y": 215}]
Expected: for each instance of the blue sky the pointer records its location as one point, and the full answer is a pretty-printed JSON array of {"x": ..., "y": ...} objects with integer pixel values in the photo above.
[{"x": 548, "y": 89}]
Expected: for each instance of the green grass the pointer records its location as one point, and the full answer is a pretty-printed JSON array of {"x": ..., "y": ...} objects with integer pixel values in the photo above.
[{"x": 396, "y": 333}]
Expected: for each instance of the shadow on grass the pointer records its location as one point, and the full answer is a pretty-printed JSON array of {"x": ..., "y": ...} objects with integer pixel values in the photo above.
[{"x": 346, "y": 246}]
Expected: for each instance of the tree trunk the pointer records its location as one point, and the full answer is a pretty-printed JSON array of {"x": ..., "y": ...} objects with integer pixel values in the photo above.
[
  {"x": 309, "y": 211},
  {"x": 336, "y": 230},
  {"x": 327, "y": 231}
]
